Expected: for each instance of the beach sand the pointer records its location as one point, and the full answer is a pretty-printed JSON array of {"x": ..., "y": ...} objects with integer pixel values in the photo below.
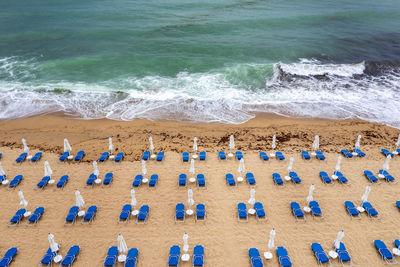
[{"x": 226, "y": 240}]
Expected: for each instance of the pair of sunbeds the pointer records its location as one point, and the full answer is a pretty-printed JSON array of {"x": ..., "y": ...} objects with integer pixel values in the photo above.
[
  {"x": 354, "y": 212},
  {"x": 294, "y": 177},
  {"x": 112, "y": 254},
  {"x": 186, "y": 156},
  {"x": 323, "y": 259},
  {"x": 68, "y": 259},
  {"x": 200, "y": 180},
  {"x": 137, "y": 181},
  {"x": 175, "y": 254},
  {"x": 299, "y": 215},
  {"x": 318, "y": 154},
  {"x": 22, "y": 157},
  {"x": 45, "y": 181},
  {"x": 264, "y": 156},
  {"x": 230, "y": 179},
  {"x": 355, "y": 153},
  {"x": 281, "y": 252},
  {"x": 326, "y": 179},
  {"x": 72, "y": 215},
  {"x": 374, "y": 180},
  {"x": 91, "y": 181},
  {"x": 142, "y": 216},
  {"x": 242, "y": 212},
  {"x": 32, "y": 220},
  {"x": 180, "y": 212},
  {"x": 159, "y": 157},
  {"x": 78, "y": 157}
]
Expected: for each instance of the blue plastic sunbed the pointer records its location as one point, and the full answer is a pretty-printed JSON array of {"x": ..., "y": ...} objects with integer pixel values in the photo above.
[
  {"x": 48, "y": 257},
  {"x": 72, "y": 253},
  {"x": 341, "y": 178},
  {"x": 221, "y": 155},
  {"x": 250, "y": 178},
  {"x": 371, "y": 211},
  {"x": 387, "y": 152},
  {"x": 371, "y": 177},
  {"x": 202, "y": 155},
  {"x": 91, "y": 179},
  {"x": 260, "y": 212},
  {"x": 295, "y": 178},
  {"x": 346, "y": 153},
  {"x": 255, "y": 258},
  {"x": 131, "y": 258},
  {"x": 153, "y": 180},
  {"x": 64, "y": 156},
  {"x": 63, "y": 181},
  {"x": 200, "y": 212},
  {"x": 8, "y": 257},
  {"x": 108, "y": 178},
  {"x": 201, "y": 180},
  {"x": 119, "y": 157},
  {"x": 18, "y": 216},
  {"x": 180, "y": 212},
  {"x": 125, "y": 213},
  {"x": 359, "y": 152},
  {"x": 389, "y": 178},
  {"x": 242, "y": 212},
  {"x": 305, "y": 155},
  {"x": 315, "y": 209},
  {"x": 174, "y": 256},
  {"x": 320, "y": 254},
  {"x": 111, "y": 257},
  {"x": 325, "y": 178},
  {"x": 320, "y": 155},
  {"x": 2, "y": 178},
  {"x": 35, "y": 216},
  {"x": 137, "y": 181},
  {"x": 104, "y": 156},
  {"x": 71, "y": 216},
  {"x": 352, "y": 210},
  {"x": 79, "y": 156},
  {"x": 182, "y": 179},
  {"x": 185, "y": 156},
  {"x": 42, "y": 184},
  {"x": 277, "y": 179},
  {"x": 297, "y": 211},
  {"x": 198, "y": 256},
  {"x": 238, "y": 155},
  {"x": 21, "y": 158},
  {"x": 343, "y": 254},
  {"x": 143, "y": 214},
  {"x": 264, "y": 156},
  {"x": 160, "y": 156},
  {"x": 279, "y": 156},
  {"x": 397, "y": 243},
  {"x": 16, "y": 181},
  {"x": 230, "y": 179},
  {"x": 283, "y": 257},
  {"x": 146, "y": 155},
  {"x": 89, "y": 216},
  {"x": 36, "y": 157},
  {"x": 386, "y": 254}
]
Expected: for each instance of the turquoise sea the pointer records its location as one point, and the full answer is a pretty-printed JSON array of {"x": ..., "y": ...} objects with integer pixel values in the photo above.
[{"x": 200, "y": 61}]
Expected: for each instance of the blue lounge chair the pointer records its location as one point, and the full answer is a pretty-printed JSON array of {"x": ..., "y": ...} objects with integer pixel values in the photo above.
[
  {"x": 111, "y": 257},
  {"x": 341, "y": 178},
  {"x": 198, "y": 256},
  {"x": 201, "y": 180},
  {"x": 352, "y": 210},
  {"x": 371, "y": 177},
  {"x": 279, "y": 156},
  {"x": 200, "y": 212},
  {"x": 91, "y": 179},
  {"x": 146, "y": 155},
  {"x": 371, "y": 211},
  {"x": 153, "y": 180},
  {"x": 315, "y": 209},
  {"x": 346, "y": 153},
  {"x": 160, "y": 156},
  {"x": 283, "y": 257},
  {"x": 2, "y": 178},
  {"x": 264, "y": 156},
  {"x": 108, "y": 178},
  {"x": 64, "y": 156},
  {"x": 185, "y": 156},
  {"x": 137, "y": 181},
  {"x": 221, "y": 155},
  {"x": 255, "y": 258},
  {"x": 250, "y": 178},
  {"x": 143, "y": 214},
  {"x": 8, "y": 257},
  {"x": 63, "y": 181},
  {"x": 89, "y": 215},
  {"x": 72, "y": 254},
  {"x": 174, "y": 256},
  {"x": 1, "y": 155},
  {"x": 359, "y": 152},
  {"x": 387, "y": 152},
  {"x": 386, "y": 254},
  {"x": 36, "y": 157},
  {"x": 180, "y": 212},
  {"x": 260, "y": 212},
  {"x": 305, "y": 155},
  {"x": 48, "y": 258},
  {"x": 320, "y": 254},
  {"x": 104, "y": 156},
  {"x": 320, "y": 155},
  {"x": 343, "y": 254},
  {"x": 18, "y": 216},
  {"x": 16, "y": 181},
  {"x": 297, "y": 211},
  {"x": 132, "y": 257},
  {"x": 242, "y": 212},
  {"x": 238, "y": 155},
  {"x": 295, "y": 178},
  {"x": 21, "y": 158},
  {"x": 230, "y": 180},
  {"x": 125, "y": 214},
  {"x": 277, "y": 179},
  {"x": 389, "y": 178},
  {"x": 397, "y": 243},
  {"x": 325, "y": 178},
  {"x": 35, "y": 216},
  {"x": 182, "y": 180},
  {"x": 79, "y": 156},
  {"x": 42, "y": 184},
  {"x": 71, "y": 216},
  {"x": 119, "y": 157},
  {"x": 202, "y": 155}
]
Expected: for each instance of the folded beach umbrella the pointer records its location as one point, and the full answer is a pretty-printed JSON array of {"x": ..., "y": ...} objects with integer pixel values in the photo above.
[
  {"x": 144, "y": 170},
  {"x": 195, "y": 145},
  {"x": 192, "y": 170},
  {"x": 67, "y": 146},
  {"x": 231, "y": 143},
  {"x": 271, "y": 243},
  {"x": 364, "y": 197},
  {"x": 95, "y": 168},
  {"x": 110, "y": 145},
  {"x": 79, "y": 199},
  {"x": 357, "y": 144},
  {"x": 47, "y": 169},
  {"x": 53, "y": 245},
  {"x": 386, "y": 164},
  {"x": 398, "y": 141},
  {"x": 133, "y": 201},
  {"x": 252, "y": 199},
  {"x": 122, "y": 247},
  {"x": 339, "y": 238},
  {"x": 185, "y": 242},
  {"x": 290, "y": 167},
  {"x": 190, "y": 200},
  {"x": 339, "y": 160},
  {"x": 310, "y": 193},
  {"x": 22, "y": 202},
  {"x": 273, "y": 142},
  {"x": 26, "y": 148},
  {"x": 2, "y": 173},
  {"x": 315, "y": 144},
  {"x": 241, "y": 169}
]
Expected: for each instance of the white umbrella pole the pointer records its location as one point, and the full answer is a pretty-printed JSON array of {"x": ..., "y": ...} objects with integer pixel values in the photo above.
[
  {"x": 339, "y": 160},
  {"x": 290, "y": 167},
  {"x": 357, "y": 144},
  {"x": 310, "y": 193},
  {"x": 110, "y": 145},
  {"x": 386, "y": 164},
  {"x": 338, "y": 239}
]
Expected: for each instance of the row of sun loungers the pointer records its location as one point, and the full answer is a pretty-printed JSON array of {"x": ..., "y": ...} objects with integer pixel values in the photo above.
[{"x": 32, "y": 220}]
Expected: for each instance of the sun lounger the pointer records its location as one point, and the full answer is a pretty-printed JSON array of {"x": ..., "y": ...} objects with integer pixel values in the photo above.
[
  {"x": 21, "y": 158},
  {"x": 185, "y": 156},
  {"x": 305, "y": 155},
  {"x": 297, "y": 211},
  {"x": 260, "y": 212},
  {"x": 315, "y": 209},
  {"x": 221, "y": 155},
  {"x": 295, "y": 178},
  {"x": 108, "y": 178},
  {"x": 343, "y": 255},
  {"x": 198, "y": 256},
  {"x": 48, "y": 258},
  {"x": 153, "y": 180},
  {"x": 250, "y": 178},
  {"x": 36, "y": 157},
  {"x": 64, "y": 156},
  {"x": 346, "y": 153},
  {"x": 202, "y": 155},
  {"x": 255, "y": 258},
  {"x": 180, "y": 212},
  {"x": 385, "y": 253},
  {"x": 277, "y": 179},
  {"x": 104, "y": 156},
  {"x": 71, "y": 216},
  {"x": 132, "y": 257},
  {"x": 320, "y": 155},
  {"x": 63, "y": 181},
  {"x": 264, "y": 156},
  {"x": 279, "y": 156},
  {"x": 143, "y": 214},
  {"x": 160, "y": 156},
  {"x": 8, "y": 257},
  {"x": 325, "y": 178},
  {"x": 79, "y": 156},
  {"x": 389, "y": 178},
  {"x": 2, "y": 178},
  {"x": 111, "y": 257},
  {"x": 320, "y": 255},
  {"x": 72, "y": 254},
  {"x": 137, "y": 181},
  {"x": 387, "y": 152},
  {"x": 359, "y": 152},
  {"x": 201, "y": 180},
  {"x": 119, "y": 157},
  {"x": 200, "y": 212},
  {"x": 283, "y": 257},
  {"x": 16, "y": 219},
  {"x": 352, "y": 210},
  {"x": 341, "y": 178},
  {"x": 16, "y": 181},
  {"x": 238, "y": 155},
  {"x": 146, "y": 155},
  {"x": 371, "y": 211},
  {"x": 397, "y": 243},
  {"x": 125, "y": 214},
  {"x": 242, "y": 212},
  {"x": 371, "y": 177},
  {"x": 35, "y": 216},
  {"x": 1, "y": 155},
  {"x": 174, "y": 256},
  {"x": 182, "y": 180},
  {"x": 91, "y": 179},
  {"x": 42, "y": 184},
  {"x": 89, "y": 216},
  {"x": 230, "y": 180}
]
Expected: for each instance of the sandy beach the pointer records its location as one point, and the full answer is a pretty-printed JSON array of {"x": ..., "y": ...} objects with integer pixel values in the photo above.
[{"x": 226, "y": 240}]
